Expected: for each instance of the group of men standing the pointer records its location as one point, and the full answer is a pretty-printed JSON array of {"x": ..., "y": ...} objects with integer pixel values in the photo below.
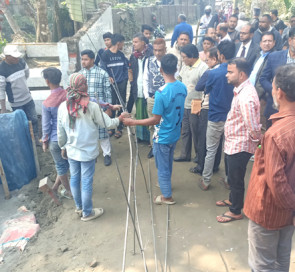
[{"x": 224, "y": 81}]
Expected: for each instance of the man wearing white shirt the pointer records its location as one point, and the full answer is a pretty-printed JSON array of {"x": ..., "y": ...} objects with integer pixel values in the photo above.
[
  {"x": 246, "y": 48},
  {"x": 221, "y": 32}
]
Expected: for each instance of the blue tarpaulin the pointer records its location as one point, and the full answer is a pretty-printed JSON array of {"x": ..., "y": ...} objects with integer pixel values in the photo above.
[{"x": 16, "y": 149}]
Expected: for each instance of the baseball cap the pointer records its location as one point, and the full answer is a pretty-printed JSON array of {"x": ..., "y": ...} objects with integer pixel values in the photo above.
[{"x": 11, "y": 50}]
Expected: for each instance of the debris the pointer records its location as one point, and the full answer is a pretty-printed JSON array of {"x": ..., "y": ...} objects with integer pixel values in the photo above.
[
  {"x": 230, "y": 249},
  {"x": 94, "y": 263},
  {"x": 64, "y": 249}
]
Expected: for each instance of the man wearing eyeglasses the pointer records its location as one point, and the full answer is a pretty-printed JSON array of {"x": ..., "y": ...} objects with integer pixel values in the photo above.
[{"x": 247, "y": 48}]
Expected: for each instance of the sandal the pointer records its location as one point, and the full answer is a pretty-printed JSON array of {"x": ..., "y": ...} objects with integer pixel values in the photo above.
[
  {"x": 118, "y": 134},
  {"x": 111, "y": 133},
  {"x": 159, "y": 201},
  {"x": 224, "y": 218},
  {"x": 222, "y": 203},
  {"x": 64, "y": 193}
]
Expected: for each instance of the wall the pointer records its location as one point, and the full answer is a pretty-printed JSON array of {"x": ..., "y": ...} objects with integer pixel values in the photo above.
[{"x": 166, "y": 15}]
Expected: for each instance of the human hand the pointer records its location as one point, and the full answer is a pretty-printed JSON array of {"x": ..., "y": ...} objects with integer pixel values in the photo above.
[
  {"x": 115, "y": 107},
  {"x": 64, "y": 154},
  {"x": 45, "y": 146},
  {"x": 126, "y": 114},
  {"x": 128, "y": 122},
  {"x": 111, "y": 80},
  {"x": 109, "y": 112}
]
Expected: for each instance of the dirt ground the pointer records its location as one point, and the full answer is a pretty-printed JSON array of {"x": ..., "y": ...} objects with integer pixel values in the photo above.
[{"x": 196, "y": 242}]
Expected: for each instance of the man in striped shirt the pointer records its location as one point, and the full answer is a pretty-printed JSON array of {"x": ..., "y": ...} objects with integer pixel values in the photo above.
[
  {"x": 270, "y": 200},
  {"x": 242, "y": 135},
  {"x": 99, "y": 88}
]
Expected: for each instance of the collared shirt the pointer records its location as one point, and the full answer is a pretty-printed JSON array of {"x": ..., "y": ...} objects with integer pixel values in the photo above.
[
  {"x": 270, "y": 200},
  {"x": 246, "y": 50},
  {"x": 205, "y": 20},
  {"x": 190, "y": 75},
  {"x": 82, "y": 141},
  {"x": 289, "y": 59},
  {"x": 175, "y": 50},
  {"x": 49, "y": 114},
  {"x": 242, "y": 129},
  {"x": 98, "y": 88},
  {"x": 257, "y": 66},
  {"x": 225, "y": 38},
  {"x": 152, "y": 78}
]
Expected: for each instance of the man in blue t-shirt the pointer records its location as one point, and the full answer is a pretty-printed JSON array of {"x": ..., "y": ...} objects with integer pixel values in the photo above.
[{"x": 167, "y": 116}]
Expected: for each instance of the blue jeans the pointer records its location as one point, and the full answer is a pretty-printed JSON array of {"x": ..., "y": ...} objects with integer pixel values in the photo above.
[
  {"x": 61, "y": 165},
  {"x": 81, "y": 184},
  {"x": 164, "y": 160}
]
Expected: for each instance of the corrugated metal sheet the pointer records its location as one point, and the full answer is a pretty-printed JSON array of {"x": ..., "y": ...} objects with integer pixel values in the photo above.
[{"x": 75, "y": 9}]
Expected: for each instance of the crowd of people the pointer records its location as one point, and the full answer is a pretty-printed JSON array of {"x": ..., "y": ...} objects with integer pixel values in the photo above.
[{"x": 213, "y": 96}]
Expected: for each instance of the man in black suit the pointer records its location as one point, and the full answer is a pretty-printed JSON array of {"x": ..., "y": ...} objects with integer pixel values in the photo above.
[{"x": 247, "y": 48}]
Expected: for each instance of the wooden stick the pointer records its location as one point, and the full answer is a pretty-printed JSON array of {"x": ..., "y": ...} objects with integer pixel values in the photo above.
[
  {"x": 34, "y": 149},
  {"x": 4, "y": 181}
]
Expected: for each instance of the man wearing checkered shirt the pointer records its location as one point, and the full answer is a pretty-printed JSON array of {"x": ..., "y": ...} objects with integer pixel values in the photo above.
[{"x": 98, "y": 88}]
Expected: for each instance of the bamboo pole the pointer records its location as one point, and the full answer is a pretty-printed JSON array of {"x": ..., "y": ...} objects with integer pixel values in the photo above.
[
  {"x": 34, "y": 149},
  {"x": 4, "y": 181}
]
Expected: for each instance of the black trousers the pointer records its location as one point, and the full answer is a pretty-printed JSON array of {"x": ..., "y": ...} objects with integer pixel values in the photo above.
[
  {"x": 130, "y": 102},
  {"x": 203, "y": 122},
  {"x": 235, "y": 169},
  {"x": 122, "y": 86}
]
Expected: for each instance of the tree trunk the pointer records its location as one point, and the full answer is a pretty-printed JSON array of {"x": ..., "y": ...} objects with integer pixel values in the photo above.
[
  {"x": 42, "y": 29},
  {"x": 57, "y": 20},
  {"x": 13, "y": 24}
]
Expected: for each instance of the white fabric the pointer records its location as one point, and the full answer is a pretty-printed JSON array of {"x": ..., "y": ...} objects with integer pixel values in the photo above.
[
  {"x": 241, "y": 49},
  {"x": 105, "y": 145},
  {"x": 81, "y": 142},
  {"x": 226, "y": 38},
  {"x": 140, "y": 79}
]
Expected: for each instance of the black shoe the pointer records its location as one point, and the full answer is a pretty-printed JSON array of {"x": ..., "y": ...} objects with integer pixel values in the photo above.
[
  {"x": 179, "y": 159},
  {"x": 196, "y": 170},
  {"x": 107, "y": 160},
  {"x": 151, "y": 154}
]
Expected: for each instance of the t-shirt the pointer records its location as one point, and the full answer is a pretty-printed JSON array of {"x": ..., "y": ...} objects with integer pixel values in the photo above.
[
  {"x": 169, "y": 103},
  {"x": 115, "y": 64}
]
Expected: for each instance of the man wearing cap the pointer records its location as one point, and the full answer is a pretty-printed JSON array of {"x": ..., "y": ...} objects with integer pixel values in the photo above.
[{"x": 14, "y": 73}]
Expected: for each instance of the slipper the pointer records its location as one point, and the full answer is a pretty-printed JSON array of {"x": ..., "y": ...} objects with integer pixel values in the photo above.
[
  {"x": 118, "y": 134},
  {"x": 227, "y": 218},
  {"x": 111, "y": 133},
  {"x": 79, "y": 212},
  {"x": 159, "y": 201},
  {"x": 96, "y": 212},
  {"x": 203, "y": 186},
  {"x": 222, "y": 203},
  {"x": 64, "y": 193}
]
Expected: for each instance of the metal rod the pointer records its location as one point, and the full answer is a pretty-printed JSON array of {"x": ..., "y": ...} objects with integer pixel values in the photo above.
[
  {"x": 166, "y": 247},
  {"x": 152, "y": 217}
]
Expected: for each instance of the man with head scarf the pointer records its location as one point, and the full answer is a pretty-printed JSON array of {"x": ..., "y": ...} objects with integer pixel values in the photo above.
[{"x": 78, "y": 122}]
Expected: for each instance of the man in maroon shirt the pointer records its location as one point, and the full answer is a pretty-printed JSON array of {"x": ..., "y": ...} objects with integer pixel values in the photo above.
[{"x": 270, "y": 200}]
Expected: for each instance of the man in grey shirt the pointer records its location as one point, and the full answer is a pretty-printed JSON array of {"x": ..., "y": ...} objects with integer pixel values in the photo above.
[{"x": 14, "y": 73}]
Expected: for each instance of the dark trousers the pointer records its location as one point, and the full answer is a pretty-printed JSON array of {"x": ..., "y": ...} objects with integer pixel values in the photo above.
[
  {"x": 235, "y": 169},
  {"x": 31, "y": 114},
  {"x": 122, "y": 86},
  {"x": 130, "y": 102},
  {"x": 203, "y": 122},
  {"x": 189, "y": 134}
]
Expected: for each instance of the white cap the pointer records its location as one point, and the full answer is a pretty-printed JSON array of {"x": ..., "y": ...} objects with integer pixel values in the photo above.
[
  {"x": 208, "y": 7},
  {"x": 11, "y": 50}
]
